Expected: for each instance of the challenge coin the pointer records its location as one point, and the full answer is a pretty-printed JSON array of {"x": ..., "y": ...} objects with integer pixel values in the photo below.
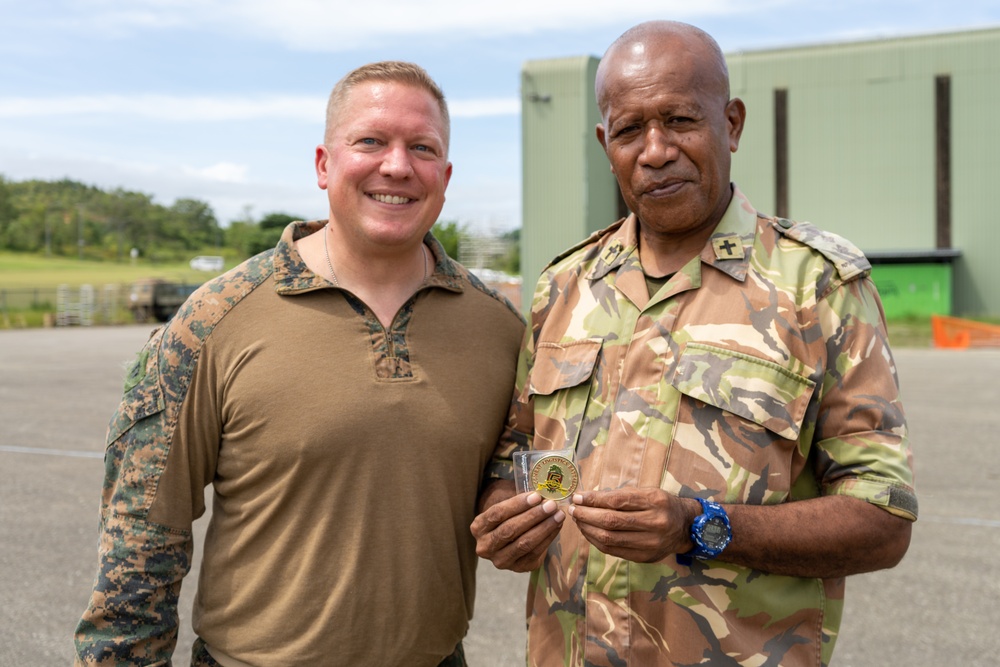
[{"x": 554, "y": 477}]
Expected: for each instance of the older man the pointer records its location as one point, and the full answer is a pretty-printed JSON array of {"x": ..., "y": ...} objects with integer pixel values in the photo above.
[
  {"x": 726, "y": 383},
  {"x": 343, "y": 394}
]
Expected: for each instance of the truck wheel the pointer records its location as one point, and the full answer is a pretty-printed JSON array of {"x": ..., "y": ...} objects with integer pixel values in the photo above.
[{"x": 164, "y": 314}]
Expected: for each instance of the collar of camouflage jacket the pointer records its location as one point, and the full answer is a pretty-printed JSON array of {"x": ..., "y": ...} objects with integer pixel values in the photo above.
[{"x": 728, "y": 249}]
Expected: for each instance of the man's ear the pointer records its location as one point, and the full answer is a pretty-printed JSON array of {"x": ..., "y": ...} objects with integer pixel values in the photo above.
[
  {"x": 322, "y": 154},
  {"x": 736, "y": 115},
  {"x": 602, "y": 137}
]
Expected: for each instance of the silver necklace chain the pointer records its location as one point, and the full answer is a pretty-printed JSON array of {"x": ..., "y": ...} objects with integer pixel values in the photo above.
[
  {"x": 326, "y": 249},
  {"x": 333, "y": 274}
]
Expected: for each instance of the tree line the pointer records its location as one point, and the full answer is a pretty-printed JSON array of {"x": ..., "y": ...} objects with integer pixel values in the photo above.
[{"x": 71, "y": 219}]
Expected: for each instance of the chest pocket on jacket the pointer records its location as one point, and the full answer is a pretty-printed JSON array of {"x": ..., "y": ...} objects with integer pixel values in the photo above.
[
  {"x": 738, "y": 436},
  {"x": 560, "y": 384}
]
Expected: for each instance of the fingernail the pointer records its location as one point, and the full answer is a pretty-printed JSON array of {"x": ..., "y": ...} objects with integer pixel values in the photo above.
[
  {"x": 559, "y": 516},
  {"x": 534, "y": 498},
  {"x": 570, "y": 509},
  {"x": 578, "y": 498},
  {"x": 549, "y": 506}
]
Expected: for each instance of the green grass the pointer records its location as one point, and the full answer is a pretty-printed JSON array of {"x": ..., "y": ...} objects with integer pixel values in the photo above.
[
  {"x": 28, "y": 271},
  {"x": 910, "y": 332},
  {"x": 29, "y": 284}
]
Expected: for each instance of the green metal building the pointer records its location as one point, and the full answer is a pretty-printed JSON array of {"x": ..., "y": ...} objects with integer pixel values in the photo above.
[
  {"x": 568, "y": 189},
  {"x": 887, "y": 142}
]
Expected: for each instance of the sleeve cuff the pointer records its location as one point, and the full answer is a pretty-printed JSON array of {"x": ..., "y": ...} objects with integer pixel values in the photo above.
[
  {"x": 893, "y": 497},
  {"x": 499, "y": 469}
]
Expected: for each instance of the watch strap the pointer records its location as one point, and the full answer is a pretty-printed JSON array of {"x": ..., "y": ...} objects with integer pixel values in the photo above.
[{"x": 711, "y": 512}]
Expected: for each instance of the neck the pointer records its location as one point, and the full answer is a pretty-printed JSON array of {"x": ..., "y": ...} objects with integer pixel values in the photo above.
[
  {"x": 661, "y": 255},
  {"x": 383, "y": 268},
  {"x": 383, "y": 280}
]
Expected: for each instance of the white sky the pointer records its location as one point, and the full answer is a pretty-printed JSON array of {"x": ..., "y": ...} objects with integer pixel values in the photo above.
[{"x": 223, "y": 100}]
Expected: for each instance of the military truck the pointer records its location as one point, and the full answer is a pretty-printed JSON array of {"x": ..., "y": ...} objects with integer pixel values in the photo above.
[{"x": 156, "y": 299}]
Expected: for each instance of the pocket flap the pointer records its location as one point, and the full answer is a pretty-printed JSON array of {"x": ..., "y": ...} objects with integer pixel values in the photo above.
[
  {"x": 561, "y": 365},
  {"x": 143, "y": 396},
  {"x": 756, "y": 389}
]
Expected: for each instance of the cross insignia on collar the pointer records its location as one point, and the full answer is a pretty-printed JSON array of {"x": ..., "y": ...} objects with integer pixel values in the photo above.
[
  {"x": 612, "y": 251},
  {"x": 728, "y": 247}
]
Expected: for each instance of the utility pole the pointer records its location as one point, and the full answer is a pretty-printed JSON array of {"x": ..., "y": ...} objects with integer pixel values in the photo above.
[
  {"x": 48, "y": 231},
  {"x": 79, "y": 229}
]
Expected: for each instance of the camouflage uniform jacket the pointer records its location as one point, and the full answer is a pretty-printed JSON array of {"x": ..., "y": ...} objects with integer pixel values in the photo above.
[
  {"x": 345, "y": 459},
  {"x": 759, "y": 373}
]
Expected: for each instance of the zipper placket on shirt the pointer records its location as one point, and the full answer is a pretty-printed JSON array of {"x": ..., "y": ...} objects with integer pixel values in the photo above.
[{"x": 390, "y": 347}]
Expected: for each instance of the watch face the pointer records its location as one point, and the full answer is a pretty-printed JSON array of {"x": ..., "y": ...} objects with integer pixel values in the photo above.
[{"x": 714, "y": 533}]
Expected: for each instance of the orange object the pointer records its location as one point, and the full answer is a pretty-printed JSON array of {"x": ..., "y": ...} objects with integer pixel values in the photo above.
[{"x": 956, "y": 333}]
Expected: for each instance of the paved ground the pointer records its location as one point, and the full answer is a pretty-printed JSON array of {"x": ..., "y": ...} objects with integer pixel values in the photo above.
[{"x": 941, "y": 606}]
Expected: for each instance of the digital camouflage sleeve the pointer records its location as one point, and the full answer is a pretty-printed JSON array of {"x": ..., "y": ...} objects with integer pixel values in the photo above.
[{"x": 146, "y": 544}]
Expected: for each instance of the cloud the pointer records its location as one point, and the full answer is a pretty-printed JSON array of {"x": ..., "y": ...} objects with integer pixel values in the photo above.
[
  {"x": 312, "y": 26},
  {"x": 225, "y": 172},
  {"x": 167, "y": 107},
  {"x": 496, "y": 106},
  {"x": 315, "y": 26},
  {"x": 308, "y": 109}
]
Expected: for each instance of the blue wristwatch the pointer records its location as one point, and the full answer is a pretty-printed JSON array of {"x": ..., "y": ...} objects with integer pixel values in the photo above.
[{"x": 710, "y": 533}]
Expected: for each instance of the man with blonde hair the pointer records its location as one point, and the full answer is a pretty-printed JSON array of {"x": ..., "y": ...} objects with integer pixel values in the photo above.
[{"x": 342, "y": 393}]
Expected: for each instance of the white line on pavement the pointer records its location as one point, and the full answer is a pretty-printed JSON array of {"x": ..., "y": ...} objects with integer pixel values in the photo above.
[{"x": 52, "y": 452}]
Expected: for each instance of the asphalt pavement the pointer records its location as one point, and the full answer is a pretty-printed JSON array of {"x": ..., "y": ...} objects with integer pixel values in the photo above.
[{"x": 58, "y": 387}]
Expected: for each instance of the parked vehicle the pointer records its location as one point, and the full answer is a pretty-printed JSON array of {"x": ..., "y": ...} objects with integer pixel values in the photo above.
[
  {"x": 155, "y": 299},
  {"x": 208, "y": 263}
]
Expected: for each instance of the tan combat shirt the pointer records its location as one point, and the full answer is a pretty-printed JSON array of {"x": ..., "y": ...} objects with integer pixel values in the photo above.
[{"x": 345, "y": 460}]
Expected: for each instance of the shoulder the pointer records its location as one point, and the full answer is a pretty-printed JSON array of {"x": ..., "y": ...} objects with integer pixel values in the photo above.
[
  {"x": 473, "y": 282},
  {"x": 848, "y": 260},
  {"x": 210, "y": 303},
  {"x": 453, "y": 276},
  {"x": 588, "y": 248}
]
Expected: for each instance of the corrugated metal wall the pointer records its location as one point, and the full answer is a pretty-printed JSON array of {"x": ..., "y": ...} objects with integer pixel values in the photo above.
[
  {"x": 861, "y": 145},
  {"x": 568, "y": 190}
]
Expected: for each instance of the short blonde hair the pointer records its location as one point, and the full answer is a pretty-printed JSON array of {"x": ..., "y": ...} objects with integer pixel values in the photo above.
[{"x": 389, "y": 71}]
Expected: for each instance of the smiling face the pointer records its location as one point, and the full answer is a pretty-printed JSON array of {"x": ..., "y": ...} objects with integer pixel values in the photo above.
[
  {"x": 385, "y": 164},
  {"x": 668, "y": 129}
]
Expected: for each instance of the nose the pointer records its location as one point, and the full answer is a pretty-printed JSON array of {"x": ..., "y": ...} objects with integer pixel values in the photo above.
[
  {"x": 658, "y": 147},
  {"x": 396, "y": 162}
]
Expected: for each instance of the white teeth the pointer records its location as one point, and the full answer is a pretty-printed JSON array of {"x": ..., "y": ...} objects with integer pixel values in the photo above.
[{"x": 391, "y": 199}]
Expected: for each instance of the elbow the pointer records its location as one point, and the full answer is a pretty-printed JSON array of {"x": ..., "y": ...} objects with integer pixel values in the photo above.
[
  {"x": 883, "y": 538},
  {"x": 897, "y": 541},
  {"x": 886, "y": 541}
]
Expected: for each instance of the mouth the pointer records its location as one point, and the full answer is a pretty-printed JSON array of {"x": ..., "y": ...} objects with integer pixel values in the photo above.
[
  {"x": 389, "y": 199},
  {"x": 664, "y": 188}
]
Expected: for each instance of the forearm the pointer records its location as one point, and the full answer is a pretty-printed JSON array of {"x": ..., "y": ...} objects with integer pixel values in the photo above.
[
  {"x": 132, "y": 615},
  {"x": 495, "y": 491},
  {"x": 826, "y": 537}
]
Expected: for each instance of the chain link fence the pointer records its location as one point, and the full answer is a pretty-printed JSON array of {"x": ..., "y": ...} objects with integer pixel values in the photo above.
[{"x": 65, "y": 305}]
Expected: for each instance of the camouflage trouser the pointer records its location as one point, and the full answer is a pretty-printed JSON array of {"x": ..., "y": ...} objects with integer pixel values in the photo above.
[
  {"x": 456, "y": 659},
  {"x": 201, "y": 658}
]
